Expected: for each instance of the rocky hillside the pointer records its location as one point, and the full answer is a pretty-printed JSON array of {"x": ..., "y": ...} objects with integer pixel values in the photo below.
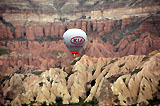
[
  {"x": 128, "y": 80},
  {"x": 31, "y": 30},
  {"x": 40, "y": 45},
  {"x": 71, "y": 6}
]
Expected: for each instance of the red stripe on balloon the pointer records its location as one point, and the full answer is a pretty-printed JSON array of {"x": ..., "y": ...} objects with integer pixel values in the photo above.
[{"x": 74, "y": 51}]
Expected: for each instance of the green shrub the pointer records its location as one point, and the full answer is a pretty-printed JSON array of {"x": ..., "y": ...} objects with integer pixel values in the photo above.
[
  {"x": 112, "y": 61},
  {"x": 71, "y": 72},
  {"x": 74, "y": 61},
  {"x": 5, "y": 51},
  {"x": 121, "y": 65},
  {"x": 51, "y": 81},
  {"x": 59, "y": 100},
  {"x": 24, "y": 77},
  {"x": 34, "y": 98},
  {"x": 105, "y": 74},
  {"x": 52, "y": 104},
  {"x": 117, "y": 101},
  {"x": 145, "y": 58},
  {"x": 102, "y": 68},
  {"x": 44, "y": 103},
  {"x": 24, "y": 104},
  {"x": 64, "y": 69},
  {"x": 116, "y": 50},
  {"x": 93, "y": 71},
  {"x": 88, "y": 92},
  {"x": 41, "y": 84},
  {"x": 37, "y": 72},
  {"x": 136, "y": 71},
  {"x": 154, "y": 101},
  {"x": 7, "y": 77},
  {"x": 94, "y": 101},
  {"x": 124, "y": 79}
]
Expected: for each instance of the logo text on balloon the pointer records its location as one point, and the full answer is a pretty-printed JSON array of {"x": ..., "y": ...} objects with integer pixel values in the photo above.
[{"x": 77, "y": 40}]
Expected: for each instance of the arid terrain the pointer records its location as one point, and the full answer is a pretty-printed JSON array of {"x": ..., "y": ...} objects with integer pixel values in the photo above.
[
  {"x": 129, "y": 80},
  {"x": 122, "y": 51}
]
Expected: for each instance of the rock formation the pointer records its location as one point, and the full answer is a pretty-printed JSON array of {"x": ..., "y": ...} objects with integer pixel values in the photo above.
[
  {"x": 35, "y": 65},
  {"x": 43, "y": 46},
  {"x": 112, "y": 81},
  {"x": 33, "y": 30}
]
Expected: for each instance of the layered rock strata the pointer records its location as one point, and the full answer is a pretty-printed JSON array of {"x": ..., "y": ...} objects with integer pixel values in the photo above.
[{"x": 32, "y": 30}]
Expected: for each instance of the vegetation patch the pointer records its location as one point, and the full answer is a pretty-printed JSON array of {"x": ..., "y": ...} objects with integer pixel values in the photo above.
[
  {"x": 63, "y": 19},
  {"x": 154, "y": 101},
  {"x": 116, "y": 49},
  {"x": 41, "y": 84},
  {"x": 51, "y": 81},
  {"x": 136, "y": 71},
  {"x": 105, "y": 74},
  {"x": 5, "y": 51},
  {"x": 93, "y": 71},
  {"x": 21, "y": 39},
  {"x": 93, "y": 82},
  {"x": 24, "y": 77},
  {"x": 112, "y": 61},
  {"x": 145, "y": 58},
  {"x": 121, "y": 65},
  {"x": 102, "y": 68},
  {"x": 94, "y": 102},
  {"x": 88, "y": 92},
  {"x": 116, "y": 100},
  {"x": 37, "y": 72},
  {"x": 68, "y": 73},
  {"x": 74, "y": 61},
  {"x": 59, "y": 101},
  {"x": 124, "y": 79},
  {"x": 7, "y": 77}
]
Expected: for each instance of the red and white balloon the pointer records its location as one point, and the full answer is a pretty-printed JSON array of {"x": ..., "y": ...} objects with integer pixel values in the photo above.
[{"x": 75, "y": 39}]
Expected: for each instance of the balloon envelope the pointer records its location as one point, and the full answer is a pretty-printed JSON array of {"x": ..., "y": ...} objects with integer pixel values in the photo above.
[{"x": 75, "y": 39}]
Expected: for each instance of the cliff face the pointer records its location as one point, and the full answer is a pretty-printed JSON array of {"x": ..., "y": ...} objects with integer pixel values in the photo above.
[{"x": 33, "y": 30}]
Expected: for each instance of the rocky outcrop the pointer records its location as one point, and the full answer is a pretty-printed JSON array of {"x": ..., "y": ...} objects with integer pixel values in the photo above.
[
  {"x": 113, "y": 81},
  {"x": 138, "y": 46},
  {"x": 40, "y": 44}
]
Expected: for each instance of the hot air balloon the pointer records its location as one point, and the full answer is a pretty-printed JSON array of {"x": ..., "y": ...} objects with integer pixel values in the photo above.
[{"x": 74, "y": 39}]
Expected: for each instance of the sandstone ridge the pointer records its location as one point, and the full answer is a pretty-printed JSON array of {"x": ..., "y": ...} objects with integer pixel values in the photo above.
[{"x": 112, "y": 81}]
